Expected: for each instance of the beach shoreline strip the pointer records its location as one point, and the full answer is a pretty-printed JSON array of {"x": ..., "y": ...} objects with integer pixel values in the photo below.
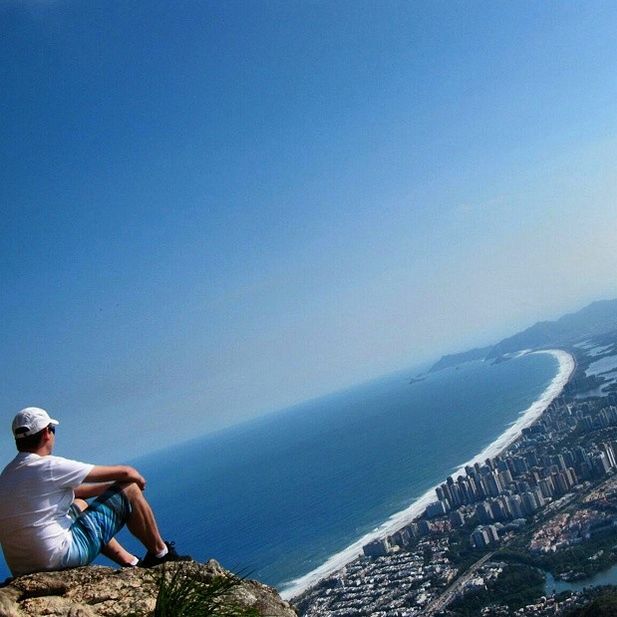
[{"x": 398, "y": 520}]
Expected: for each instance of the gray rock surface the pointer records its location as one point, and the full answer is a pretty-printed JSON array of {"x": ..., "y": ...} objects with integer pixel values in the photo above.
[{"x": 98, "y": 591}]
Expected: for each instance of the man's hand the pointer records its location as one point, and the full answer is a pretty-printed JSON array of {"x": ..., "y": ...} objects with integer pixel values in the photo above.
[
  {"x": 137, "y": 478},
  {"x": 116, "y": 473}
]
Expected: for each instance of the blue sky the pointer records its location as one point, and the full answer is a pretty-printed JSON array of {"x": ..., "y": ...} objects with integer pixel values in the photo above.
[{"x": 212, "y": 210}]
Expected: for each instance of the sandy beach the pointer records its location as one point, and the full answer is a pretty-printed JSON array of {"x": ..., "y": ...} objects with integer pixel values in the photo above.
[{"x": 404, "y": 517}]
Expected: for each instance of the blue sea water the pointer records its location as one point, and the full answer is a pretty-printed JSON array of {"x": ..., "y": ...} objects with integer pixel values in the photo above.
[{"x": 275, "y": 497}]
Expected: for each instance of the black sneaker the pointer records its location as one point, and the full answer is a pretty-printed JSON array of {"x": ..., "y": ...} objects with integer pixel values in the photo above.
[{"x": 150, "y": 559}]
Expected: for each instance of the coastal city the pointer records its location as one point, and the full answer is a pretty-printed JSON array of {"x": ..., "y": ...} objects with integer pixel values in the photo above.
[{"x": 498, "y": 536}]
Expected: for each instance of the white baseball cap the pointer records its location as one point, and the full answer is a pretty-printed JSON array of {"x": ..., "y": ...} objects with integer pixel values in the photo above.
[{"x": 30, "y": 421}]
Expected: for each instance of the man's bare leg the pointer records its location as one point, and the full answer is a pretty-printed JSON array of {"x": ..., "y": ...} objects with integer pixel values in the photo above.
[
  {"x": 113, "y": 549},
  {"x": 116, "y": 552},
  {"x": 141, "y": 522}
]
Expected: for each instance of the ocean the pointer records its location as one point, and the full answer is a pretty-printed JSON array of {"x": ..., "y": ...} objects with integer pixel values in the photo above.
[{"x": 277, "y": 497}]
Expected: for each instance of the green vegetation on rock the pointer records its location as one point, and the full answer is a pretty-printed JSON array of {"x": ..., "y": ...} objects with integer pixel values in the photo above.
[{"x": 182, "y": 594}]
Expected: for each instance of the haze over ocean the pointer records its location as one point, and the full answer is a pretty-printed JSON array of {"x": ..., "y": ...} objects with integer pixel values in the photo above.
[
  {"x": 277, "y": 496},
  {"x": 291, "y": 197}
]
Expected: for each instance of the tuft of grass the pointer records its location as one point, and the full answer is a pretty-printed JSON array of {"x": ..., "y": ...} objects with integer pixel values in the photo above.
[{"x": 185, "y": 595}]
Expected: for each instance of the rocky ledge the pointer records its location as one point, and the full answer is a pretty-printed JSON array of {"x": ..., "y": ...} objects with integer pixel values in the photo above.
[{"x": 98, "y": 591}]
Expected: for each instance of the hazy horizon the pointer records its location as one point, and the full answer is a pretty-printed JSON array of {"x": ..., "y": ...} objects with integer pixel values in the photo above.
[{"x": 211, "y": 211}]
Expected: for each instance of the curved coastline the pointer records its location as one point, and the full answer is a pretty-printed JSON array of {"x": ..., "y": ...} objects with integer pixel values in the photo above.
[{"x": 404, "y": 517}]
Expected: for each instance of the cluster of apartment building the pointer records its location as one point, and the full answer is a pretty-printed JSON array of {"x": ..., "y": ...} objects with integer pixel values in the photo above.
[
  {"x": 504, "y": 492},
  {"x": 396, "y": 585},
  {"x": 507, "y": 490},
  {"x": 550, "y": 606},
  {"x": 570, "y": 528},
  {"x": 548, "y": 467},
  {"x": 501, "y": 494}
]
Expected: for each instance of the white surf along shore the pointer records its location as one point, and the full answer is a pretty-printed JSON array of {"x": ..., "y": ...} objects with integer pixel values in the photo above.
[{"x": 400, "y": 519}]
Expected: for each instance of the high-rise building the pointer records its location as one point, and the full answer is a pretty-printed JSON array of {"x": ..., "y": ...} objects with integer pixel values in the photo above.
[
  {"x": 377, "y": 548},
  {"x": 456, "y": 518},
  {"x": 436, "y": 509},
  {"x": 483, "y": 513}
]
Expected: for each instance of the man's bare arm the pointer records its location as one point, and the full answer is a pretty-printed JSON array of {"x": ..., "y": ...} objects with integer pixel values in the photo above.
[{"x": 116, "y": 473}]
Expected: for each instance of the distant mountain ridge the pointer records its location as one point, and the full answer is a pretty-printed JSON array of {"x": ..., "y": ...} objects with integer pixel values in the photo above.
[{"x": 596, "y": 318}]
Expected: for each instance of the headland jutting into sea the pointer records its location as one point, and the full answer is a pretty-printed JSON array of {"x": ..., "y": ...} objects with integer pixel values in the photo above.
[{"x": 566, "y": 366}]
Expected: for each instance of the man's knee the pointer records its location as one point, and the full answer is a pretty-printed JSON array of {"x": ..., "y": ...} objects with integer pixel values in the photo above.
[{"x": 131, "y": 490}]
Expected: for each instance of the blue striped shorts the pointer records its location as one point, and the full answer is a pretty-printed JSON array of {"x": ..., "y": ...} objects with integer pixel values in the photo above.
[{"x": 96, "y": 526}]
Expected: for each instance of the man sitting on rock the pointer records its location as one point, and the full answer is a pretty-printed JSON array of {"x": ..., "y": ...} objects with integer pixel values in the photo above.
[{"x": 42, "y": 524}]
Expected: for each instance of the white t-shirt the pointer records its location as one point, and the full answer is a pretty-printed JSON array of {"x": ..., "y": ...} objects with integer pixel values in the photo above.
[{"x": 36, "y": 493}]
